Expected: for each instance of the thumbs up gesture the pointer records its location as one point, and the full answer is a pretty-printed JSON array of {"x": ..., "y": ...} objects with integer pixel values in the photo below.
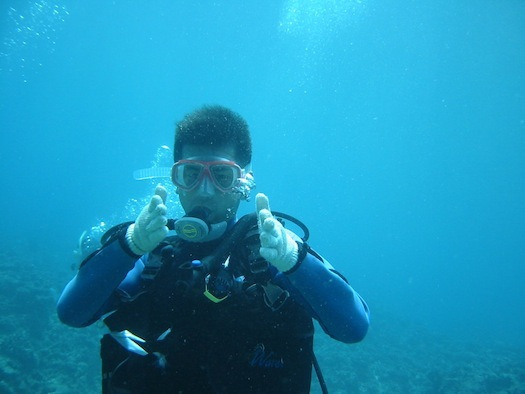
[
  {"x": 277, "y": 246},
  {"x": 150, "y": 227}
]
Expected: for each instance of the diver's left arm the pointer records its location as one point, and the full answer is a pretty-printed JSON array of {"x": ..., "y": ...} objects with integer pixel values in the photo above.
[
  {"x": 342, "y": 313},
  {"x": 340, "y": 310}
]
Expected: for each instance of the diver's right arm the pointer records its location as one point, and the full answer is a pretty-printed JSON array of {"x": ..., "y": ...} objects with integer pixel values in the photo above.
[{"x": 92, "y": 292}]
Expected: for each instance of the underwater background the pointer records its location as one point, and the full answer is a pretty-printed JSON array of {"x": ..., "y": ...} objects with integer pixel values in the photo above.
[{"x": 394, "y": 130}]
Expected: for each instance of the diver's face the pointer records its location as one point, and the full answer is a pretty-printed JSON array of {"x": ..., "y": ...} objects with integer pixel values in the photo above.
[{"x": 223, "y": 205}]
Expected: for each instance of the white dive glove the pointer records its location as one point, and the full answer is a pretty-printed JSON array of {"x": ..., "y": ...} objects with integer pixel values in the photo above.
[
  {"x": 277, "y": 246},
  {"x": 150, "y": 227}
]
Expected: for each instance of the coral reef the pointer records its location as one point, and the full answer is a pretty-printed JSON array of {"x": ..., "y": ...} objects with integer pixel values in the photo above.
[
  {"x": 38, "y": 354},
  {"x": 405, "y": 358}
]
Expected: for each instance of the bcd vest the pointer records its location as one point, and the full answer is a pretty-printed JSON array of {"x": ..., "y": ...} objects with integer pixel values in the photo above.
[{"x": 258, "y": 339}]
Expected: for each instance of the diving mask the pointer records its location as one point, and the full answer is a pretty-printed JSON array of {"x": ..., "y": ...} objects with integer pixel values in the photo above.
[
  {"x": 227, "y": 176},
  {"x": 188, "y": 174}
]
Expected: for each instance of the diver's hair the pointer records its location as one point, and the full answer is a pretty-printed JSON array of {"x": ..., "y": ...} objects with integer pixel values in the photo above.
[{"x": 214, "y": 125}]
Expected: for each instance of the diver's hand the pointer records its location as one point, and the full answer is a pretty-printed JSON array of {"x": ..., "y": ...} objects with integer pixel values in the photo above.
[
  {"x": 150, "y": 227},
  {"x": 277, "y": 246}
]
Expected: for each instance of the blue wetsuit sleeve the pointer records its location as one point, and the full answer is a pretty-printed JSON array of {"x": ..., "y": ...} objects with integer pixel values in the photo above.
[
  {"x": 341, "y": 312},
  {"x": 94, "y": 290}
]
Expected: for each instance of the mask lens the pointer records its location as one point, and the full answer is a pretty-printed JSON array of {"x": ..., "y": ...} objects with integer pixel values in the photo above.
[
  {"x": 224, "y": 175},
  {"x": 187, "y": 175}
]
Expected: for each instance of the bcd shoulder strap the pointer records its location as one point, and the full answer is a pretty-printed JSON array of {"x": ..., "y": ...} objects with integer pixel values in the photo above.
[{"x": 158, "y": 257}]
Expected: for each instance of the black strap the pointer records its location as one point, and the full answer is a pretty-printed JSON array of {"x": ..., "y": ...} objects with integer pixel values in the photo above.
[
  {"x": 303, "y": 249},
  {"x": 319, "y": 374}
]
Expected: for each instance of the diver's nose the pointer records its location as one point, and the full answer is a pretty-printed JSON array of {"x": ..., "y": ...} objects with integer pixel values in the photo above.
[{"x": 206, "y": 188}]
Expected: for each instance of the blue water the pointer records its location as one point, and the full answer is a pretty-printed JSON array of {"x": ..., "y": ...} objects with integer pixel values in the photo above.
[{"x": 395, "y": 130}]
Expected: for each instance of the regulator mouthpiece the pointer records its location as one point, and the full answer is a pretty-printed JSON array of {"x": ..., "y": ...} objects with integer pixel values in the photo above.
[{"x": 195, "y": 226}]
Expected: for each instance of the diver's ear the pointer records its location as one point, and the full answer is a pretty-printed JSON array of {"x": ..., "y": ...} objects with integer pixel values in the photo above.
[{"x": 246, "y": 185}]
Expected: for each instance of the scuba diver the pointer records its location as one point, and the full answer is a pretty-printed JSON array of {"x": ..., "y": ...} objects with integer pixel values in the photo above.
[{"x": 226, "y": 305}]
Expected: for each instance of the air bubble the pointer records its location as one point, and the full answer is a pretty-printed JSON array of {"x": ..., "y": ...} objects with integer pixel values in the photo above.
[{"x": 30, "y": 34}]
